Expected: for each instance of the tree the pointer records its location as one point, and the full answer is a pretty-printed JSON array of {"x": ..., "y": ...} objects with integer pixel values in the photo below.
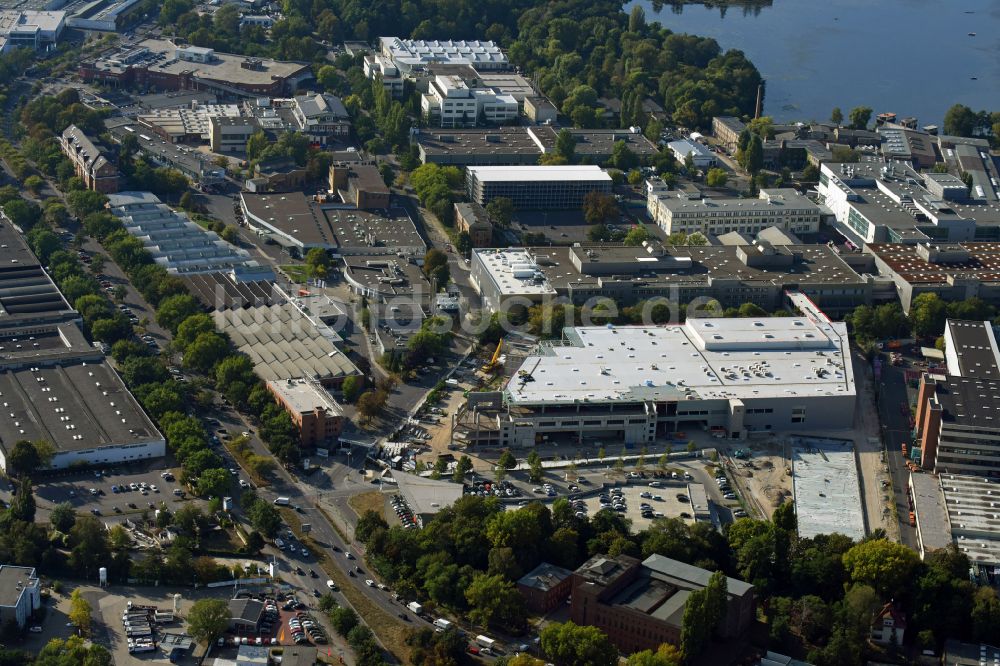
[
  {"x": 80, "y": 612},
  {"x": 637, "y": 235},
  {"x": 318, "y": 262},
  {"x": 175, "y": 309},
  {"x": 836, "y": 116},
  {"x": 716, "y": 177},
  {"x": 214, "y": 483},
  {"x": 206, "y": 350},
  {"x": 702, "y": 613},
  {"x": 859, "y": 117},
  {"x": 886, "y": 566},
  {"x": 495, "y": 600},
  {"x": 27, "y": 457},
  {"x": 665, "y": 655},
  {"x": 927, "y": 314},
  {"x": 535, "y": 469},
  {"x": 352, "y": 387},
  {"x": 343, "y": 620},
  {"x": 568, "y": 644},
  {"x": 84, "y": 202},
  {"x": 622, "y": 157},
  {"x": 191, "y": 328},
  {"x": 264, "y": 517},
  {"x": 462, "y": 467},
  {"x": 753, "y": 158},
  {"x": 34, "y": 183},
  {"x": 566, "y": 144},
  {"x": 368, "y": 524},
  {"x": 507, "y": 460},
  {"x": 69, "y": 652},
  {"x": 89, "y": 547},
  {"x": 370, "y": 405},
  {"x": 436, "y": 267},
  {"x": 22, "y": 507},
  {"x": 62, "y": 517},
  {"x": 960, "y": 120},
  {"x": 844, "y": 154},
  {"x": 636, "y": 19},
  {"x": 985, "y": 614},
  {"x": 500, "y": 211},
  {"x": 599, "y": 208},
  {"x": 208, "y": 619},
  {"x": 751, "y": 310},
  {"x": 22, "y": 213}
]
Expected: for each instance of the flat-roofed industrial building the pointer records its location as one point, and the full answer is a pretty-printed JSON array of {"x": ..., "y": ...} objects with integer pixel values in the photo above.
[
  {"x": 757, "y": 273},
  {"x": 638, "y": 384}
]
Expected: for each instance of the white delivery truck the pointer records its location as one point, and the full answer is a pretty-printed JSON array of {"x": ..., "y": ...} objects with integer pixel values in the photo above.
[
  {"x": 415, "y": 607},
  {"x": 485, "y": 641},
  {"x": 282, "y": 501},
  {"x": 442, "y": 623}
]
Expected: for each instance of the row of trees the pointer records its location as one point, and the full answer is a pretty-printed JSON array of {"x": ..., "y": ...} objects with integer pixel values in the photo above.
[
  {"x": 436, "y": 188},
  {"x": 927, "y": 316}
]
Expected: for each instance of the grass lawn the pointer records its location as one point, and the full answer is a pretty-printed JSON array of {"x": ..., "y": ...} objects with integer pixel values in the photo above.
[
  {"x": 295, "y": 272},
  {"x": 370, "y": 501}
]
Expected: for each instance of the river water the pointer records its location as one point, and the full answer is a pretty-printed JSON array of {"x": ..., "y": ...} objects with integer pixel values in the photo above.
[{"x": 912, "y": 57}]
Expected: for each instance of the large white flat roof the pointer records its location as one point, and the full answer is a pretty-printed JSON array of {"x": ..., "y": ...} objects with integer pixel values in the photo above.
[
  {"x": 514, "y": 272},
  {"x": 767, "y": 357},
  {"x": 535, "y": 173},
  {"x": 827, "y": 494}
]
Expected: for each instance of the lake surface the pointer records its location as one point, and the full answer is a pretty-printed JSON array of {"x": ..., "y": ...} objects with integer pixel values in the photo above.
[{"x": 912, "y": 57}]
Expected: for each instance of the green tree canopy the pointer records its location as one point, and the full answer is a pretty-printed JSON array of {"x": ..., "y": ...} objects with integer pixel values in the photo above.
[
  {"x": 208, "y": 619},
  {"x": 860, "y": 116},
  {"x": 568, "y": 644},
  {"x": 885, "y": 565}
]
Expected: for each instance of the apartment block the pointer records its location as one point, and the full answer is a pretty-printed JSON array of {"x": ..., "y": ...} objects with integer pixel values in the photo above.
[{"x": 88, "y": 160}]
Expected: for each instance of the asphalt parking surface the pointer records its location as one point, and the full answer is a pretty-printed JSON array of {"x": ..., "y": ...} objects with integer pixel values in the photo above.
[
  {"x": 668, "y": 504},
  {"x": 75, "y": 486}
]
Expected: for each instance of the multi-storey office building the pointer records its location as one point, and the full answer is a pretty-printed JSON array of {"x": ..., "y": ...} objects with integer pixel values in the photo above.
[
  {"x": 783, "y": 208},
  {"x": 537, "y": 187}
]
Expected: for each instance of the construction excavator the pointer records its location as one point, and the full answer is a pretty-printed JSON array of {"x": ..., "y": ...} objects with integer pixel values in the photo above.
[{"x": 492, "y": 364}]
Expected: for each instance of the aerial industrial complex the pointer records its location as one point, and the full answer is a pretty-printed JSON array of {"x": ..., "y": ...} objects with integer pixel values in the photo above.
[
  {"x": 638, "y": 383},
  {"x": 652, "y": 369},
  {"x": 54, "y": 385}
]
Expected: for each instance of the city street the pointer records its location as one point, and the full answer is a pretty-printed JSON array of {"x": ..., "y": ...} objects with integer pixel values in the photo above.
[{"x": 896, "y": 431}]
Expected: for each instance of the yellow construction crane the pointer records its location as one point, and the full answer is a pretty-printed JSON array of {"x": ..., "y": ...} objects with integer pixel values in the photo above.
[{"x": 491, "y": 366}]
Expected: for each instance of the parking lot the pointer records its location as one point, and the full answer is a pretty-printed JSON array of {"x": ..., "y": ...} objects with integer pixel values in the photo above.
[
  {"x": 663, "y": 502},
  {"x": 87, "y": 491}
]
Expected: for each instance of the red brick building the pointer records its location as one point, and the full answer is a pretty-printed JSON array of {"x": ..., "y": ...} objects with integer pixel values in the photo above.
[
  {"x": 545, "y": 587},
  {"x": 640, "y": 605},
  {"x": 317, "y": 417}
]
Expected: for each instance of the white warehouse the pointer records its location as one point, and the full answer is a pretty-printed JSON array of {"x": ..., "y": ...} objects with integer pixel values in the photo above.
[{"x": 637, "y": 384}]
